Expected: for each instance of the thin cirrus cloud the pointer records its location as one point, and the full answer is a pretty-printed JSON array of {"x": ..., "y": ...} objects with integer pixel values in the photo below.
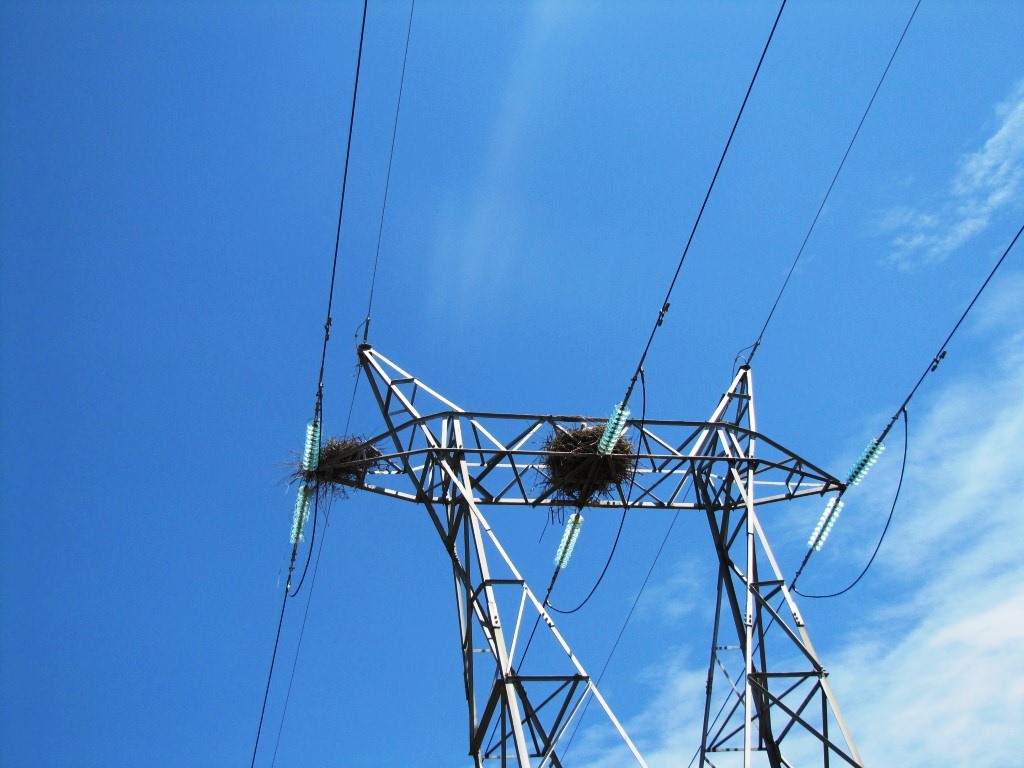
[
  {"x": 986, "y": 182},
  {"x": 479, "y": 230},
  {"x": 943, "y": 648}
]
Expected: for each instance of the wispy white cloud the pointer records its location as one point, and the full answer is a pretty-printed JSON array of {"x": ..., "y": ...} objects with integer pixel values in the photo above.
[
  {"x": 925, "y": 660},
  {"x": 987, "y": 181},
  {"x": 479, "y": 235},
  {"x": 954, "y": 563}
]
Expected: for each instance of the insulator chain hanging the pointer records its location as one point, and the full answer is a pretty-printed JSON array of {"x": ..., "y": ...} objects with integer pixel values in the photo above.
[
  {"x": 825, "y": 523},
  {"x": 572, "y": 532},
  {"x": 311, "y": 456},
  {"x": 865, "y": 462},
  {"x": 310, "y": 461},
  {"x": 613, "y": 430}
]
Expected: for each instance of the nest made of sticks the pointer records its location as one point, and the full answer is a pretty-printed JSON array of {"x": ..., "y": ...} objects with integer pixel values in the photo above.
[
  {"x": 576, "y": 471},
  {"x": 344, "y": 462}
]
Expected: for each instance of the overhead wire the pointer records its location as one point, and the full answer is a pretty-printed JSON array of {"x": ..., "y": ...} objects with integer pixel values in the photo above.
[
  {"x": 318, "y": 407},
  {"x": 885, "y": 529},
  {"x": 302, "y": 634},
  {"x": 341, "y": 205},
  {"x": 933, "y": 365},
  {"x": 384, "y": 206},
  {"x": 600, "y": 578},
  {"x": 754, "y": 347},
  {"x": 270, "y": 675},
  {"x": 348, "y": 420},
  {"x": 622, "y": 522},
  {"x": 608, "y": 561},
  {"x": 700, "y": 213},
  {"x": 639, "y": 372},
  {"x": 312, "y": 541},
  {"x": 941, "y": 354},
  {"x": 625, "y": 624},
  {"x": 387, "y": 178}
]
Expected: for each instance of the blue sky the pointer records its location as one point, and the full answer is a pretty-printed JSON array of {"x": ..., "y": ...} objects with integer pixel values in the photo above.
[{"x": 170, "y": 176}]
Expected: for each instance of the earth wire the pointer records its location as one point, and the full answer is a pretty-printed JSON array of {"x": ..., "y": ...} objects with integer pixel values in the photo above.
[
  {"x": 318, "y": 408},
  {"x": 754, "y": 347},
  {"x": 355, "y": 388},
  {"x": 665, "y": 304}
]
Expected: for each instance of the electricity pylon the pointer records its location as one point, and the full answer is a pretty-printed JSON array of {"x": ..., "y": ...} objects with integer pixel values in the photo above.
[{"x": 767, "y": 692}]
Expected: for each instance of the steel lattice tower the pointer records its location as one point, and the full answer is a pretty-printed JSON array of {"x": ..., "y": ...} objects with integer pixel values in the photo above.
[{"x": 768, "y": 699}]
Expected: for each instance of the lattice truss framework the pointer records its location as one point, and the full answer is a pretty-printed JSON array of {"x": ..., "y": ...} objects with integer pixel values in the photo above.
[{"x": 768, "y": 698}]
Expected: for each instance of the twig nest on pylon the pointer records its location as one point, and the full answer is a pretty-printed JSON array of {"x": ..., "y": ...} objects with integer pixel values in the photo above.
[
  {"x": 344, "y": 462},
  {"x": 577, "y": 472}
]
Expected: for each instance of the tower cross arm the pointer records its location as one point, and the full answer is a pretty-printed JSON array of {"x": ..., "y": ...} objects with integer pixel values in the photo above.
[{"x": 514, "y": 460}]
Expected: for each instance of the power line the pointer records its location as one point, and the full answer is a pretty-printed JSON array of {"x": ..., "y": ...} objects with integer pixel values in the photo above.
[
  {"x": 600, "y": 578},
  {"x": 341, "y": 207},
  {"x": 355, "y": 388},
  {"x": 902, "y": 410},
  {"x": 383, "y": 211},
  {"x": 885, "y": 530},
  {"x": 622, "y": 522},
  {"x": 302, "y": 634},
  {"x": 668, "y": 295},
  {"x": 312, "y": 540},
  {"x": 639, "y": 373},
  {"x": 941, "y": 354},
  {"x": 625, "y": 623},
  {"x": 387, "y": 179},
  {"x": 318, "y": 408},
  {"x": 615, "y": 543},
  {"x": 270, "y": 674},
  {"x": 754, "y": 347}
]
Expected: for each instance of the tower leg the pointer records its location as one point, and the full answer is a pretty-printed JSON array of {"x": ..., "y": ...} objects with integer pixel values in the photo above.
[{"x": 760, "y": 690}]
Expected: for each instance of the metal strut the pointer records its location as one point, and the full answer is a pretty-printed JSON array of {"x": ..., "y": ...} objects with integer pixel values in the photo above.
[
  {"x": 768, "y": 698},
  {"x": 766, "y": 688}
]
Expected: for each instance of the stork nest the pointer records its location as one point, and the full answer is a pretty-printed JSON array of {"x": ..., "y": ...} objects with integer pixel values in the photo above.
[
  {"x": 577, "y": 473},
  {"x": 344, "y": 463}
]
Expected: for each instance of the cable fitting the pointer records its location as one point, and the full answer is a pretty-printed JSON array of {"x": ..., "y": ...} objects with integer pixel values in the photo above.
[{"x": 936, "y": 360}]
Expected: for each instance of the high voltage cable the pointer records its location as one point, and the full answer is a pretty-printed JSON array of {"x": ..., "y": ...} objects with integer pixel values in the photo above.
[
  {"x": 383, "y": 209},
  {"x": 941, "y": 354},
  {"x": 270, "y": 675},
  {"x": 639, "y": 373},
  {"x": 668, "y": 295},
  {"x": 754, "y": 347},
  {"x": 341, "y": 208},
  {"x": 302, "y": 633},
  {"x": 902, "y": 410},
  {"x": 611, "y": 553},
  {"x": 348, "y": 420},
  {"x": 387, "y": 178},
  {"x": 885, "y": 529},
  {"x": 625, "y": 623},
  {"x": 312, "y": 540},
  {"x": 318, "y": 408},
  {"x": 622, "y": 522}
]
